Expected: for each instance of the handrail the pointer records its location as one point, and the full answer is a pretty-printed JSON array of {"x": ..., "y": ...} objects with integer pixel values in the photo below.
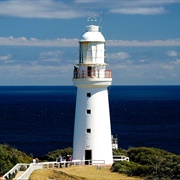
[
  {"x": 27, "y": 173},
  {"x": 80, "y": 74},
  {"x": 120, "y": 158},
  {"x": 34, "y": 166},
  {"x": 15, "y": 169}
]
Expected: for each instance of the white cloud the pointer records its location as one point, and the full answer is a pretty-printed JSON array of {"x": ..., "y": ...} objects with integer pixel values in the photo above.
[
  {"x": 139, "y": 10},
  {"x": 142, "y": 3},
  {"x": 80, "y": 8},
  {"x": 118, "y": 55},
  {"x": 144, "y": 69},
  {"x": 22, "y": 41},
  {"x": 141, "y": 7},
  {"x": 88, "y": 1},
  {"x": 142, "y": 61},
  {"x": 36, "y": 74},
  {"x": 39, "y": 9},
  {"x": 145, "y": 73},
  {"x": 177, "y": 62},
  {"x": 129, "y": 2},
  {"x": 51, "y": 56},
  {"x": 5, "y": 57},
  {"x": 166, "y": 66},
  {"x": 64, "y": 42},
  {"x": 133, "y": 66},
  {"x": 172, "y": 53},
  {"x": 168, "y": 42}
]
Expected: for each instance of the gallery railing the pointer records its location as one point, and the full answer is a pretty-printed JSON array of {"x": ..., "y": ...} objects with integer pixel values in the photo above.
[{"x": 80, "y": 74}]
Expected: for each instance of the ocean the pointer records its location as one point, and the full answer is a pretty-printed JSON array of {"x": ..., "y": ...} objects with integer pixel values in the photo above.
[{"x": 39, "y": 119}]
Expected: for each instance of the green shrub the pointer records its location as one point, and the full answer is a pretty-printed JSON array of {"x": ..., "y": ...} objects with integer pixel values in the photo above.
[
  {"x": 129, "y": 168},
  {"x": 9, "y": 157},
  {"x": 51, "y": 156},
  {"x": 151, "y": 163},
  {"x": 120, "y": 152}
]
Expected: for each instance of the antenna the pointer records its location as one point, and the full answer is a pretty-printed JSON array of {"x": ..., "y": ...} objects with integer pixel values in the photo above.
[
  {"x": 92, "y": 18},
  {"x": 100, "y": 22}
]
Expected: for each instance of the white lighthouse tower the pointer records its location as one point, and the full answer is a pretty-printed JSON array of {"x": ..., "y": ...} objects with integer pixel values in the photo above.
[{"x": 92, "y": 128}]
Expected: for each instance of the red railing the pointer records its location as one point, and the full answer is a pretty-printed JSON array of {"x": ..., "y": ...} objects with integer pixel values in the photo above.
[{"x": 92, "y": 74}]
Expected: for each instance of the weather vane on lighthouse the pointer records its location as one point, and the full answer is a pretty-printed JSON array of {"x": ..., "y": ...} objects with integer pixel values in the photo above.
[{"x": 92, "y": 18}]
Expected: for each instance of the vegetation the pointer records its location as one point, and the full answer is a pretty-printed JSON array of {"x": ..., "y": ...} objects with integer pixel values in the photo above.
[
  {"x": 51, "y": 174},
  {"x": 148, "y": 163},
  {"x": 51, "y": 156},
  {"x": 9, "y": 157},
  {"x": 120, "y": 152},
  {"x": 151, "y": 163}
]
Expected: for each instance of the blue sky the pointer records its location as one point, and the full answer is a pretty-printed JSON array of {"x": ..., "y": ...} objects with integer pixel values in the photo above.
[{"x": 39, "y": 40}]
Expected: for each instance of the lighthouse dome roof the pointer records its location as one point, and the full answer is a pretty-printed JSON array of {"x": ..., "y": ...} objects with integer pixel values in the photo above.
[{"x": 92, "y": 34}]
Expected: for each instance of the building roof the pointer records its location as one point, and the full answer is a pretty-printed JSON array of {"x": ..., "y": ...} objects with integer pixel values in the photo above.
[{"x": 92, "y": 34}]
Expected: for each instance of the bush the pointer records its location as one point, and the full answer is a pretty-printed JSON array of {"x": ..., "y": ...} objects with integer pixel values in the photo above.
[
  {"x": 9, "y": 157},
  {"x": 129, "y": 168},
  {"x": 51, "y": 156},
  {"x": 119, "y": 152},
  {"x": 151, "y": 163}
]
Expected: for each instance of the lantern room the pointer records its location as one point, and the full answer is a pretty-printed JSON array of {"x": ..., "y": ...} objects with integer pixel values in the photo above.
[{"x": 92, "y": 46}]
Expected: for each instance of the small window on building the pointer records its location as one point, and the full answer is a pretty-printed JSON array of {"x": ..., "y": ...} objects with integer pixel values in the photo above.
[
  {"x": 88, "y": 130},
  {"x": 88, "y": 94},
  {"x": 88, "y": 111}
]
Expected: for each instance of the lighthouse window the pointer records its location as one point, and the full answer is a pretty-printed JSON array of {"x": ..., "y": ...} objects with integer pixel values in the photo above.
[
  {"x": 88, "y": 94},
  {"x": 88, "y": 130},
  {"x": 81, "y": 53},
  {"x": 88, "y": 111}
]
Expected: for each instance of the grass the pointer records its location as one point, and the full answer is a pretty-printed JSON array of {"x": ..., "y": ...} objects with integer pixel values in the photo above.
[
  {"x": 79, "y": 173},
  {"x": 50, "y": 174}
]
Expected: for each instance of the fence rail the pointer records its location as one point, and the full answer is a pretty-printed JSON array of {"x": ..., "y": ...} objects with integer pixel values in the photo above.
[
  {"x": 34, "y": 166},
  {"x": 15, "y": 169}
]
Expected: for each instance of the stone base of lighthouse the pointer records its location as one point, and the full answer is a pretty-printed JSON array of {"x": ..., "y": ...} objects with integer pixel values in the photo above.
[{"x": 92, "y": 129}]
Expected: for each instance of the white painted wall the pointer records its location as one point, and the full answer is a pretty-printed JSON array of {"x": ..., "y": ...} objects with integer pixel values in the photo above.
[{"x": 99, "y": 140}]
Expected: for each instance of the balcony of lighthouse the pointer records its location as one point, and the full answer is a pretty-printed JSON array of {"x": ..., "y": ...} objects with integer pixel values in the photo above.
[
  {"x": 92, "y": 78},
  {"x": 81, "y": 74}
]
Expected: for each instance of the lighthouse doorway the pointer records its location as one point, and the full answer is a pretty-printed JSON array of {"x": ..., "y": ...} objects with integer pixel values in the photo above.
[
  {"x": 89, "y": 71},
  {"x": 88, "y": 156}
]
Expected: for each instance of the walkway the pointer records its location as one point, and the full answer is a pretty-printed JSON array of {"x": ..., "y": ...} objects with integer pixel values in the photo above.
[{"x": 19, "y": 173}]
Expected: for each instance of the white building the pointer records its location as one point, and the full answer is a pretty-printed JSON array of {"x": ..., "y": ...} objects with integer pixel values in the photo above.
[{"x": 92, "y": 129}]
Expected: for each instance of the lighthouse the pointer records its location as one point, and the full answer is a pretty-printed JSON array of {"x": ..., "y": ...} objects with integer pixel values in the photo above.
[{"x": 92, "y": 127}]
